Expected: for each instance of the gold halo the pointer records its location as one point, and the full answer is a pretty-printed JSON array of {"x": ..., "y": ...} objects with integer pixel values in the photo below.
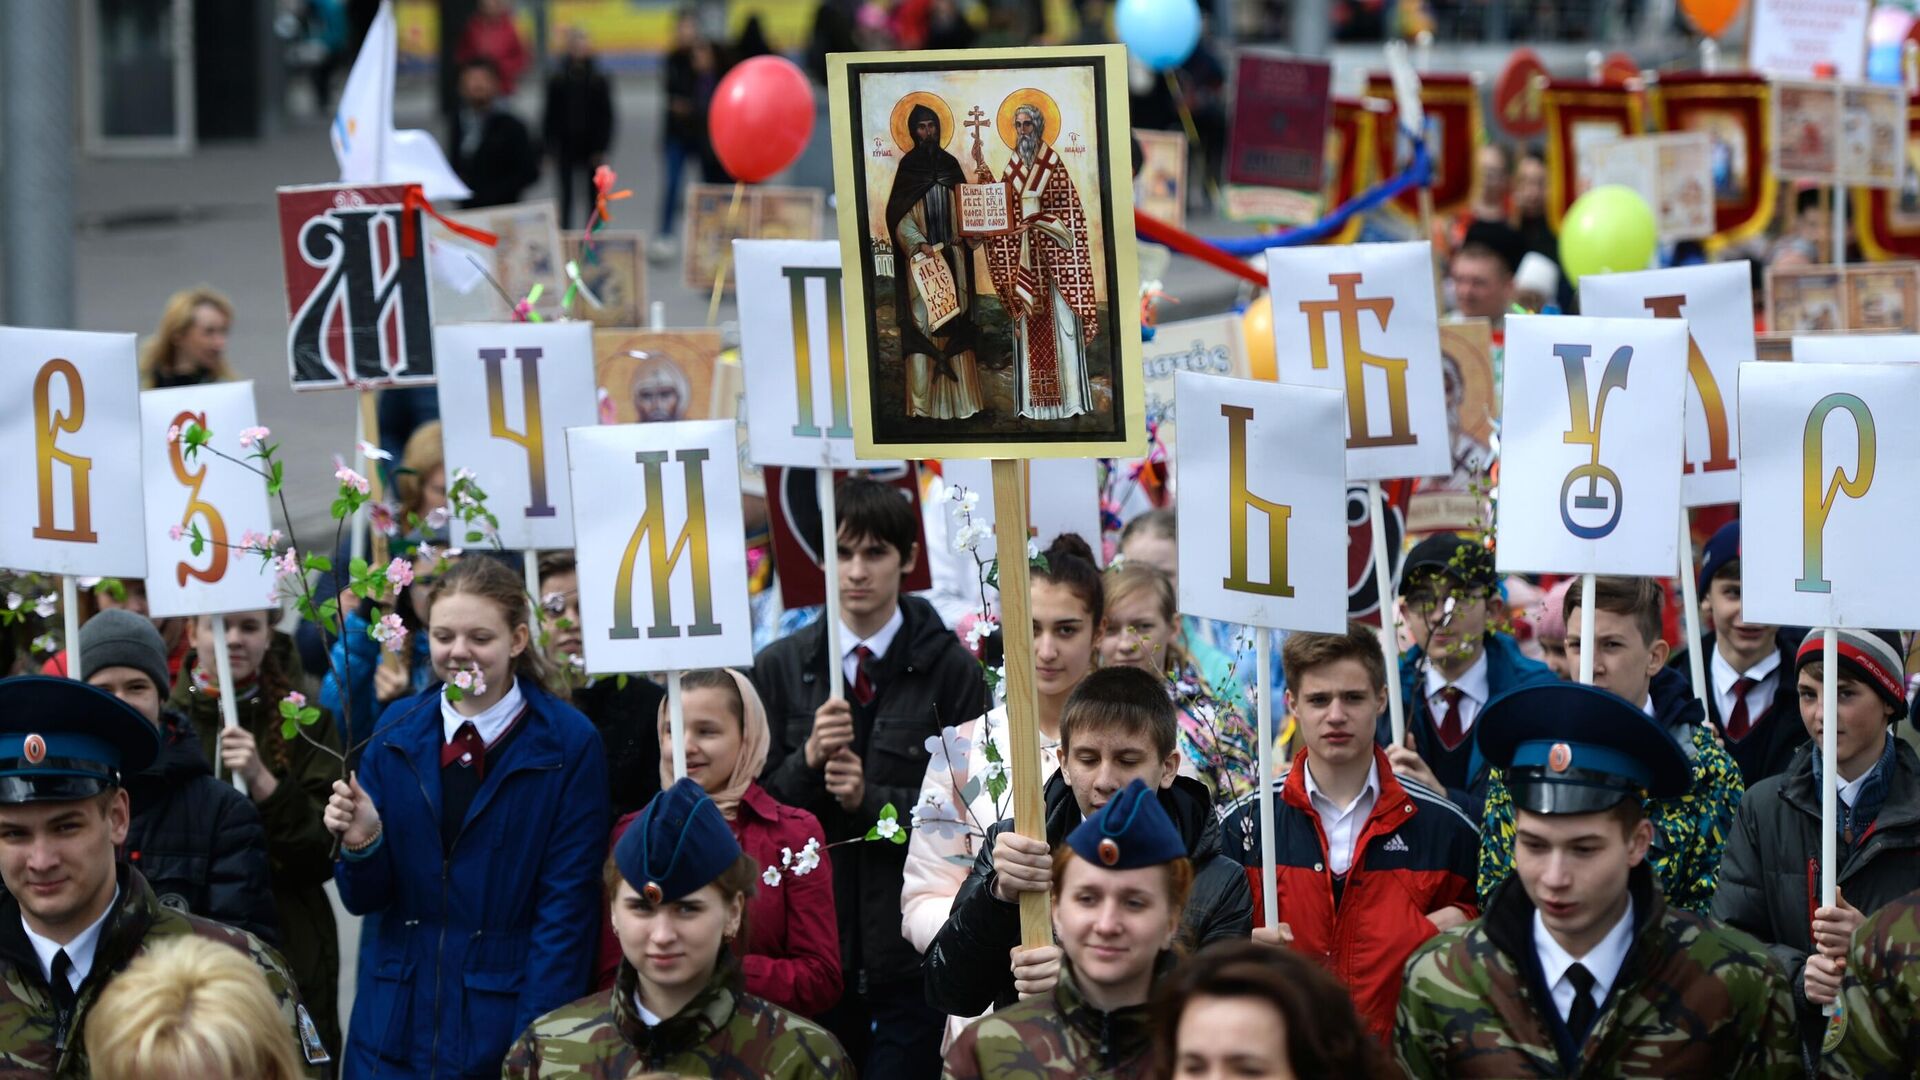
[
  {"x": 1029, "y": 96},
  {"x": 898, "y": 124}
]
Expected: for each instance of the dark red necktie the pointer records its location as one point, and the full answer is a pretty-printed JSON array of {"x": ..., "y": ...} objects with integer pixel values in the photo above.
[
  {"x": 1451, "y": 732},
  {"x": 862, "y": 684},
  {"x": 1738, "y": 722},
  {"x": 467, "y": 748}
]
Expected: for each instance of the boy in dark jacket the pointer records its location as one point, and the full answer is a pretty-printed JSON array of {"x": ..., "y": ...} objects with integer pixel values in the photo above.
[
  {"x": 1116, "y": 727},
  {"x": 843, "y": 759},
  {"x": 198, "y": 842},
  {"x": 1770, "y": 878},
  {"x": 1449, "y": 597},
  {"x": 1366, "y": 867},
  {"x": 1752, "y": 703}
]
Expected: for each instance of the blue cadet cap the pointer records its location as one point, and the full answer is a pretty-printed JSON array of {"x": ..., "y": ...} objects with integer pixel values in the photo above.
[
  {"x": 1722, "y": 548},
  {"x": 62, "y": 740},
  {"x": 1565, "y": 748},
  {"x": 1131, "y": 831},
  {"x": 677, "y": 845}
]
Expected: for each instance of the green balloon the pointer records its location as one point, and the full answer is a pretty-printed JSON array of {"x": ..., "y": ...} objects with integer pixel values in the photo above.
[{"x": 1608, "y": 230}]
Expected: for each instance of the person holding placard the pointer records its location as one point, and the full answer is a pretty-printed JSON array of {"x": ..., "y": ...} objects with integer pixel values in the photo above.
[
  {"x": 474, "y": 827},
  {"x": 1580, "y": 967},
  {"x": 1117, "y": 727},
  {"x": 1769, "y": 880},
  {"x": 1118, "y": 886},
  {"x": 1752, "y": 703},
  {"x": 842, "y": 759},
  {"x": 1367, "y": 867},
  {"x": 289, "y": 781},
  {"x": 200, "y": 843},
  {"x": 1881, "y": 1040},
  {"x": 679, "y": 888},
  {"x": 1449, "y": 602},
  {"x": 1630, "y": 660}
]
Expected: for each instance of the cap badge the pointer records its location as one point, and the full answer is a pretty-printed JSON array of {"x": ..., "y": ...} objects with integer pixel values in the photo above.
[
  {"x": 1109, "y": 851},
  {"x": 652, "y": 893},
  {"x": 1560, "y": 758},
  {"x": 35, "y": 749}
]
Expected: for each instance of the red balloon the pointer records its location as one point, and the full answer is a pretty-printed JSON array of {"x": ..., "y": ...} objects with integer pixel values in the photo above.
[{"x": 761, "y": 117}]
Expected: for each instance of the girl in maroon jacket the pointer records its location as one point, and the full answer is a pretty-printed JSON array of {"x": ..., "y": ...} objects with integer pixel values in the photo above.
[{"x": 793, "y": 949}]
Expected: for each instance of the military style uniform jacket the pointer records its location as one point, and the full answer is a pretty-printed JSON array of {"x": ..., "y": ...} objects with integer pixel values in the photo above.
[
  {"x": 1692, "y": 999},
  {"x": 1057, "y": 1036},
  {"x": 722, "y": 1033},
  {"x": 35, "y": 1039},
  {"x": 1881, "y": 1039}
]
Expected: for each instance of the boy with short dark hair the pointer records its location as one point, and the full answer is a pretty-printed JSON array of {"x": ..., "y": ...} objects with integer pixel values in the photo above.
[
  {"x": 1630, "y": 661},
  {"x": 1118, "y": 726},
  {"x": 842, "y": 759}
]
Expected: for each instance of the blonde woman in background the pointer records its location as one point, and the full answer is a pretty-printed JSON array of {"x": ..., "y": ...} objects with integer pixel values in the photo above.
[
  {"x": 190, "y": 1009},
  {"x": 190, "y": 345}
]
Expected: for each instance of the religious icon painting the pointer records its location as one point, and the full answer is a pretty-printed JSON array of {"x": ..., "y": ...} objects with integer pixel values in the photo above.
[
  {"x": 655, "y": 376},
  {"x": 615, "y": 272},
  {"x": 985, "y": 203}
]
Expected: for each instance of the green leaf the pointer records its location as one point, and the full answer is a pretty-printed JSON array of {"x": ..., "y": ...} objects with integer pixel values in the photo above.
[
  {"x": 993, "y": 574},
  {"x": 287, "y": 729},
  {"x": 340, "y": 509},
  {"x": 328, "y": 611},
  {"x": 453, "y": 693},
  {"x": 317, "y": 562},
  {"x": 114, "y": 588},
  {"x": 1039, "y": 562},
  {"x": 288, "y": 710},
  {"x": 197, "y": 545},
  {"x": 620, "y": 681},
  {"x": 888, "y": 813},
  {"x": 900, "y": 837},
  {"x": 309, "y": 716},
  {"x": 277, "y": 479},
  {"x": 474, "y": 536},
  {"x": 872, "y": 834},
  {"x": 357, "y": 568}
]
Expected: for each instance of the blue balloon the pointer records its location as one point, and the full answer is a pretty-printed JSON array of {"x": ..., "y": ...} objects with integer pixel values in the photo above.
[{"x": 1160, "y": 33}]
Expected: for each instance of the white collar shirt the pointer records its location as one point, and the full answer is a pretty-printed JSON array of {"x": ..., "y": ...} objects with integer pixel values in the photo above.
[
  {"x": 1474, "y": 691},
  {"x": 1342, "y": 825},
  {"x": 1602, "y": 962},
  {"x": 878, "y": 644},
  {"x": 80, "y": 951},
  {"x": 492, "y": 723},
  {"x": 1765, "y": 676}
]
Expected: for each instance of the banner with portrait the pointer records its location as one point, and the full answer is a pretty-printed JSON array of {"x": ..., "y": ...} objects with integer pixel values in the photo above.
[
  {"x": 1887, "y": 223},
  {"x": 217, "y": 501},
  {"x": 1455, "y": 129},
  {"x": 1581, "y": 116},
  {"x": 1735, "y": 112}
]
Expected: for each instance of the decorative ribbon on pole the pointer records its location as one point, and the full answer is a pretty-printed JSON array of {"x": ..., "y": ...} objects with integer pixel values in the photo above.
[{"x": 416, "y": 200}]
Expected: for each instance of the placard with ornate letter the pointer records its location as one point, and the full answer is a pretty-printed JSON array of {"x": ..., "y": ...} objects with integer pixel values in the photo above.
[
  {"x": 360, "y": 308},
  {"x": 216, "y": 499}
]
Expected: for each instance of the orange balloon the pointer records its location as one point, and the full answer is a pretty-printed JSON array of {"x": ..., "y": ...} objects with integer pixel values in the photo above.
[
  {"x": 1710, "y": 17},
  {"x": 1258, "y": 321}
]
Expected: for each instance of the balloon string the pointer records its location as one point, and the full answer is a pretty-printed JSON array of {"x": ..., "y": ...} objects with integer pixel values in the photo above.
[{"x": 726, "y": 256}]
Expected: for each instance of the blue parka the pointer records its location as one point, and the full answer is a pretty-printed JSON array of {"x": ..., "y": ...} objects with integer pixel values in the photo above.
[{"x": 475, "y": 942}]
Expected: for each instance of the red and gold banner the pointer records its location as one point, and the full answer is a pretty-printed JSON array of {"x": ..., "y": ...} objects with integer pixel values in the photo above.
[
  {"x": 1887, "y": 223},
  {"x": 1580, "y": 114},
  {"x": 1455, "y": 129},
  {"x": 1733, "y": 112},
  {"x": 1349, "y": 161}
]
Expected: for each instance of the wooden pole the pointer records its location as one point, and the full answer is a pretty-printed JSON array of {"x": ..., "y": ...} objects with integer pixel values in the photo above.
[
  {"x": 1586, "y": 629},
  {"x": 1389, "y": 617},
  {"x": 1269, "y": 882},
  {"x": 223, "y": 666},
  {"x": 1690, "y": 604},
  {"x": 1016, "y": 637},
  {"x": 726, "y": 257}
]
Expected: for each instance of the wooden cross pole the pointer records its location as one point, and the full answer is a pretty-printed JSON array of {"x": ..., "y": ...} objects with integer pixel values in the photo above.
[
  {"x": 977, "y": 119},
  {"x": 1016, "y": 640}
]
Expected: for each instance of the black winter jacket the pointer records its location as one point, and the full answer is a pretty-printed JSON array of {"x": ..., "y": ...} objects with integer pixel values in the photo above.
[
  {"x": 1770, "y": 874},
  {"x": 927, "y": 679},
  {"x": 197, "y": 841},
  {"x": 967, "y": 966},
  {"x": 1776, "y": 733},
  {"x": 628, "y": 719}
]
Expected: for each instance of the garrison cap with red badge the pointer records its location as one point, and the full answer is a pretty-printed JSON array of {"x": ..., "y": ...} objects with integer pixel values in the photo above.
[
  {"x": 1131, "y": 831},
  {"x": 1567, "y": 748},
  {"x": 677, "y": 845},
  {"x": 62, "y": 740}
]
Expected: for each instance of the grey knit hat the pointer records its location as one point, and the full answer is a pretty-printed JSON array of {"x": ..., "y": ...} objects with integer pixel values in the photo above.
[{"x": 119, "y": 638}]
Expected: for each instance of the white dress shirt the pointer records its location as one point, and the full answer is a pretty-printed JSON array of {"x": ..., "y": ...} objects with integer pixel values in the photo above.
[
  {"x": 1849, "y": 790},
  {"x": 492, "y": 723},
  {"x": 79, "y": 951},
  {"x": 1603, "y": 962},
  {"x": 879, "y": 643},
  {"x": 1765, "y": 676},
  {"x": 1473, "y": 688},
  {"x": 1342, "y": 825}
]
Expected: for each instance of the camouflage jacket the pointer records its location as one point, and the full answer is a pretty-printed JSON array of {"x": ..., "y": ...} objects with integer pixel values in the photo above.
[
  {"x": 1689, "y": 833},
  {"x": 1692, "y": 999},
  {"x": 1881, "y": 1036},
  {"x": 722, "y": 1033},
  {"x": 1056, "y": 1036},
  {"x": 35, "y": 1039}
]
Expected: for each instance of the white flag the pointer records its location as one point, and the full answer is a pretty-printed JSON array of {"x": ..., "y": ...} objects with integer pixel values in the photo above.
[{"x": 369, "y": 150}]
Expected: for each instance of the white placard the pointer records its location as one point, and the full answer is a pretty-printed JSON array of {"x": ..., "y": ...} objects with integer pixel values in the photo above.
[
  {"x": 70, "y": 435},
  {"x": 1791, "y": 39},
  {"x": 508, "y": 393},
  {"x": 799, "y": 403},
  {"x": 1063, "y": 496},
  {"x": 1591, "y": 442},
  {"x": 221, "y": 499},
  {"x": 1360, "y": 319},
  {"x": 1673, "y": 172},
  {"x": 1215, "y": 345},
  {"x": 1717, "y": 303},
  {"x": 1263, "y": 494},
  {"x": 1827, "y": 494},
  {"x": 656, "y": 511},
  {"x": 1856, "y": 348}
]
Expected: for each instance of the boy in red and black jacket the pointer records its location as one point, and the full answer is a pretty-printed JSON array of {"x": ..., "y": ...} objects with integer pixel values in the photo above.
[{"x": 1368, "y": 865}]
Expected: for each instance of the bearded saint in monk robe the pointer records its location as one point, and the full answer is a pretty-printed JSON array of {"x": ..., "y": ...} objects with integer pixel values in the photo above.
[
  {"x": 1043, "y": 274},
  {"x": 923, "y": 221}
]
